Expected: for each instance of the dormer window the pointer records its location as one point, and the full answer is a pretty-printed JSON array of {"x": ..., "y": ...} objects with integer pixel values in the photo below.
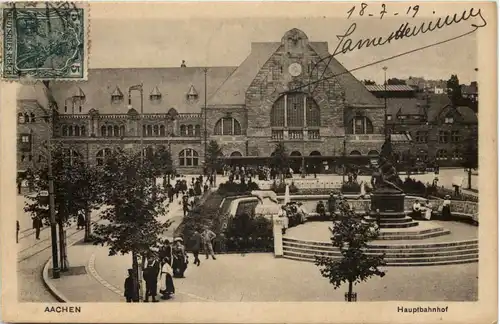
[
  {"x": 155, "y": 95},
  {"x": 192, "y": 94},
  {"x": 116, "y": 96},
  {"x": 448, "y": 120}
]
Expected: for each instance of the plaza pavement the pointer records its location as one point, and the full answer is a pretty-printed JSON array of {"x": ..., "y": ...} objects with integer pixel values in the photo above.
[{"x": 260, "y": 276}]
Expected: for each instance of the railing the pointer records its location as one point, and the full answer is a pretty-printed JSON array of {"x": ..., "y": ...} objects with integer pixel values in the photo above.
[
  {"x": 365, "y": 137},
  {"x": 295, "y": 134},
  {"x": 277, "y": 135},
  {"x": 313, "y": 134}
]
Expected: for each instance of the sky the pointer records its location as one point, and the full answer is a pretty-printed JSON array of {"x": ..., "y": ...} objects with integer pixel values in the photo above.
[{"x": 162, "y": 35}]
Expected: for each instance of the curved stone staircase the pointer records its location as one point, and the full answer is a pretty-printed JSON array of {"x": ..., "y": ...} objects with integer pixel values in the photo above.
[{"x": 421, "y": 254}]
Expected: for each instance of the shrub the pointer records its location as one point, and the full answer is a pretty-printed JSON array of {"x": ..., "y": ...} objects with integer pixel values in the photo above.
[
  {"x": 281, "y": 187},
  {"x": 351, "y": 187},
  {"x": 246, "y": 233},
  {"x": 236, "y": 188}
]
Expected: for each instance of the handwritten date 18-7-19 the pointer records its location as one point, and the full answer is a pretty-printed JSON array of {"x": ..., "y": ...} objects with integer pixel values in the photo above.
[{"x": 364, "y": 10}]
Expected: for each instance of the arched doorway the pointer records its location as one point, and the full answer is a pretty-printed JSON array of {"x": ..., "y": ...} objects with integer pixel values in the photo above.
[
  {"x": 236, "y": 153},
  {"x": 295, "y": 161},
  {"x": 355, "y": 152},
  {"x": 314, "y": 164}
]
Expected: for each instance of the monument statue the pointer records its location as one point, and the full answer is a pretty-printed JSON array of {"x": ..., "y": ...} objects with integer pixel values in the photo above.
[{"x": 385, "y": 176}]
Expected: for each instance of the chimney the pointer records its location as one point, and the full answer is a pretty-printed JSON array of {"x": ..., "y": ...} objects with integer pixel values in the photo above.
[{"x": 183, "y": 64}]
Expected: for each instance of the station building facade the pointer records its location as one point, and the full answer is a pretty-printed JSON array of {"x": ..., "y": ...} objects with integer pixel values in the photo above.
[{"x": 290, "y": 91}]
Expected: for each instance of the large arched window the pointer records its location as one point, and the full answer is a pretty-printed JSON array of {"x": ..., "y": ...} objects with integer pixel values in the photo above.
[
  {"x": 227, "y": 126},
  {"x": 360, "y": 125},
  {"x": 441, "y": 155},
  {"x": 110, "y": 130},
  {"x": 355, "y": 153},
  {"x": 236, "y": 153},
  {"x": 295, "y": 110},
  {"x": 190, "y": 130},
  {"x": 102, "y": 155},
  {"x": 71, "y": 156},
  {"x": 103, "y": 131},
  {"x": 188, "y": 157},
  {"x": 183, "y": 130},
  {"x": 162, "y": 130}
]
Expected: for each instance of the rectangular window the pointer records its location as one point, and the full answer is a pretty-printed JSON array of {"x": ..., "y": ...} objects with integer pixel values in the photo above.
[
  {"x": 448, "y": 120},
  {"x": 359, "y": 126},
  {"x": 455, "y": 136},
  {"x": 227, "y": 126},
  {"x": 443, "y": 137},
  {"x": 421, "y": 137},
  {"x": 389, "y": 117},
  {"x": 25, "y": 138},
  {"x": 188, "y": 161}
]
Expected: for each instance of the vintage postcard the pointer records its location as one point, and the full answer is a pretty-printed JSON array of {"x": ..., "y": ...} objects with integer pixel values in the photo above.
[
  {"x": 44, "y": 41},
  {"x": 254, "y": 162}
]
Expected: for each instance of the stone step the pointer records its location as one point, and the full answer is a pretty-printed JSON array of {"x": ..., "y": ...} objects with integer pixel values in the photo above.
[
  {"x": 409, "y": 260},
  {"x": 415, "y": 237},
  {"x": 382, "y": 220},
  {"x": 402, "y": 264},
  {"x": 388, "y": 254},
  {"x": 372, "y": 249},
  {"x": 389, "y": 245}
]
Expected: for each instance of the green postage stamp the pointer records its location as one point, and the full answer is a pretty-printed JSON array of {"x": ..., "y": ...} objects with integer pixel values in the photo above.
[{"x": 44, "y": 41}]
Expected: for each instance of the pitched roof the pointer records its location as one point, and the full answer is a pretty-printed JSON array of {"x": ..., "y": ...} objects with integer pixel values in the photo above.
[
  {"x": 355, "y": 91},
  {"x": 405, "y": 106},
  {"x": 232, "y": 91},
  {"x": 389, "y": 87},
  {"x": 172, "y": 83},
  {"x": 437, "y": 102},
  {"x": 468, "y": 114}
]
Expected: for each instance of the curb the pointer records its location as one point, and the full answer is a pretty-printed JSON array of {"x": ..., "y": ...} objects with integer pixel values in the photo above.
[{"x": 52, "y": 289}]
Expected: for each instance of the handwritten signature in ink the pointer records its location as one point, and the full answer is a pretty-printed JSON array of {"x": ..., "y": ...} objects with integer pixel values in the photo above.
[{"x": 346, "y": 44}]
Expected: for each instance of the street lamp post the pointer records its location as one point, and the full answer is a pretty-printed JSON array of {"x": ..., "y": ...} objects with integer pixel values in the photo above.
[
  {"x": 205, "y": 70},
  {"x": 135, "y": 261}
]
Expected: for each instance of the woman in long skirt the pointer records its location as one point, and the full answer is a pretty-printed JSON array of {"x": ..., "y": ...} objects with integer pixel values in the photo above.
[
  {"x": 167, "y": 289},
  {"x": 446, "y": 212}
]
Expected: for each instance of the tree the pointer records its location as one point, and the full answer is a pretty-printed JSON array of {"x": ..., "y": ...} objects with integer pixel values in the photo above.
[
  {"x": 351, "y": 237},
  {"x": 369, "y": 82},
  {"x": 470, "y": 158},
  {"x": 134, "y": 204},
  {"x": 213, "y": 158},
  {"x": 162, "y": 164},
  {"x": 280, "y": 160},
  {"x": 76, "y": 190},
  {"x": 454, "y": 90},
  {"x": 396, "y": 81}
]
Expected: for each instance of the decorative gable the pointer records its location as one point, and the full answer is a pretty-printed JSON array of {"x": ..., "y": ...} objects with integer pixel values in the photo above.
[
  {"x": 192, "y": 94},
  {"x": 117, "y": 96},
  {"x": 155, "y": 95}
]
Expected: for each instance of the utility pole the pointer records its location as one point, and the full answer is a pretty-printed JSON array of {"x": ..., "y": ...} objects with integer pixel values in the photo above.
[
  {"x": 52, "y": 209},
  {"x": 385, "y": 100}
]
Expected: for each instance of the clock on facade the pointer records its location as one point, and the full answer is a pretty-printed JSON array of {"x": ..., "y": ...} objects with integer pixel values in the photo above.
[{"x": 295, "y": 69}]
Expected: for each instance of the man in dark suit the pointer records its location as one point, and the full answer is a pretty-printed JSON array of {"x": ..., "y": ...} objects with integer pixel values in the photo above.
[
  {"x": 151, "y": 277},
  {"x": 129, "y": 293},
  {"x": 196, "y": 246}
]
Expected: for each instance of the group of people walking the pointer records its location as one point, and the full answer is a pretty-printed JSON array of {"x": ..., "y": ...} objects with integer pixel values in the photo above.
[{"x": 167, "y": 262}]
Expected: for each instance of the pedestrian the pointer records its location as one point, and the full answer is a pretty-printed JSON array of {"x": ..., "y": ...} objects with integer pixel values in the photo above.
[
  {"x": 167, "y": 288},
  {"x": 445, "y": 209},
  {"x": 17, "y": 231},
  {"x": 37, "y": 224},
  {"x": 19, "y": 185},
  {"x": 179, "y": 263},
  {"x": 207, "y": 236},
  {"x": 196, "y": 246},
  {"x": 129, "y": 293},
  {"x": 151, "y": 277},
  {"x": 80, "y": 224},
  {"x": 428, "y": 210}
]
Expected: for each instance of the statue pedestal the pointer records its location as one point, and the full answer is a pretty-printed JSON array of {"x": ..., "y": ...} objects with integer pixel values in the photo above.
[{"x": 387, "y": 208}]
